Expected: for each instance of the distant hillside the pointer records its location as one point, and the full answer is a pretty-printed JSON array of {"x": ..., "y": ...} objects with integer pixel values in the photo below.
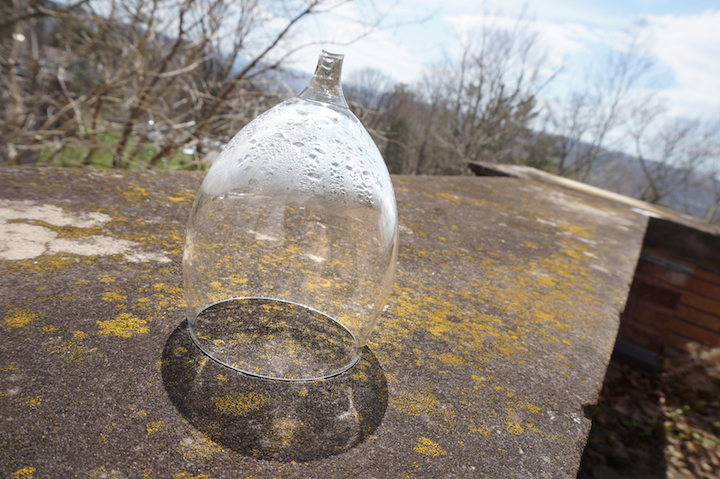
[{"x": 622, "y": 173}]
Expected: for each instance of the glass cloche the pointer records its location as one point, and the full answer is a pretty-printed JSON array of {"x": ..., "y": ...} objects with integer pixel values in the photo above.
[{"x": 292, "y": 241}]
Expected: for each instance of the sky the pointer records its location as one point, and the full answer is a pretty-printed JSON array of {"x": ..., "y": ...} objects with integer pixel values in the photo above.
[{"x": 682, "y": 39}]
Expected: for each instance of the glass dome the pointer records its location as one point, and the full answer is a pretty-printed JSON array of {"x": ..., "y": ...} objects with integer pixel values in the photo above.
[{"x": 292, "y": 240}]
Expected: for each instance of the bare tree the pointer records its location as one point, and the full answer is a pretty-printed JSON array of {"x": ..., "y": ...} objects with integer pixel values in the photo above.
[
  {"x": 134, "y": 83},
  {"x": 394, "y": 114},
  {"x": 480, "y": 107},
  {"x": 490, "y": 95},
  {"x": 673, "y": 154},
  {"x": 592, "y": 121},
  {"x": 15, "y": 12},
  {"x": 366, "y": 92}
]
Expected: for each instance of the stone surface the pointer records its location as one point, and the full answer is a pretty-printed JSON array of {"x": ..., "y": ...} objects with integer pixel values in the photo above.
[
  {"x": 673, "y": 230},
  {"x": 497, "y": 334}
]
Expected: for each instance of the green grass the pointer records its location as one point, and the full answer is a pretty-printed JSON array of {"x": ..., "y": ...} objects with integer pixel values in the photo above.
[{"x": 71, "y": 155}]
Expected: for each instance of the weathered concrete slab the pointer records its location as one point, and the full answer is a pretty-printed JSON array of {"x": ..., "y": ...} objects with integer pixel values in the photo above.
[
  {"x": 497, "y": 334},
  {"x": 642, "y": 207}
]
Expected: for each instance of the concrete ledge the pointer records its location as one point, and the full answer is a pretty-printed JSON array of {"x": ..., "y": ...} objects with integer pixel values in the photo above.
[
  {"x": 498, "y": 332},
  {"x": 641, "y": 207},
  {"x": 673, "y": 303}
]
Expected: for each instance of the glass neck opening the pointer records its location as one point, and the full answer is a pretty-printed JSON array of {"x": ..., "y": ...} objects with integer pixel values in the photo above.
[{"x": 324, "y": 87}]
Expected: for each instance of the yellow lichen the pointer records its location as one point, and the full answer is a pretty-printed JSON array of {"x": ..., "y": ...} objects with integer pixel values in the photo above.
[
  {"x": 530, "y": 407},
  {"x": 154, "y": 427},
  {"x": 479, "y": 430},
  {"x": 72, "y": 351},
  {"x": 451, "y": 198},
  {"x": 318, "y": 284},
  {"x": 32, "y": 402},
  {"x": 79, "y": 335},
  {"x": 423, "y": 402},
  {"x": 138, "y": 413},
  {"x": 283, "y": 430},
  {"x": 24, "y": 473},
  {"x": 50, "y": 262},
  {"x": 105, "y": 432},
  {"x": 198, "y": 447},
  {"x": 9, "y": 367},
  {"x": 124, "y": 326},
  {"x": 163, "y": 288},
  {"x": 546, "y": 281},
  {"x": 168, "y": 296},
  {"x": 240, "y": 404},
  {"x": 112, "y": 296},
  {"x": 532, "y": 427},
  {"x": 19, "y": 317},
  {"x": 429, "y": 447},
  {"x": 512, "y": 425},
  {"x": 237, "y": 279},
  {"x": 572, "y": 253},
  {"x": 450, "y": 358},
  {"x": 134, "y": 193}
]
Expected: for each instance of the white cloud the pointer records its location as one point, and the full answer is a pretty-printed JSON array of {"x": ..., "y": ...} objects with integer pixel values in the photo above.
[
  {"x": 692, "y": 103},
  {"x": 689, "y": 46},
  {"x": 349, "y": 30},
  {"x": 572, "y": 11},
  {"x": 556, "y": 40},
  {"x": 684, "y": 46},
  {"x": 574, "y": 35}
]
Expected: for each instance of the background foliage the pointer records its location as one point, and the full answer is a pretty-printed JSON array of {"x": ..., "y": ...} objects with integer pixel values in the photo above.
[{"x": 164, "y": 83}]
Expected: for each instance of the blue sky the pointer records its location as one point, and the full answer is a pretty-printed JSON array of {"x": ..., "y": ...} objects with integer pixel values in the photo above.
[{"x": 683, "y": 38}]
